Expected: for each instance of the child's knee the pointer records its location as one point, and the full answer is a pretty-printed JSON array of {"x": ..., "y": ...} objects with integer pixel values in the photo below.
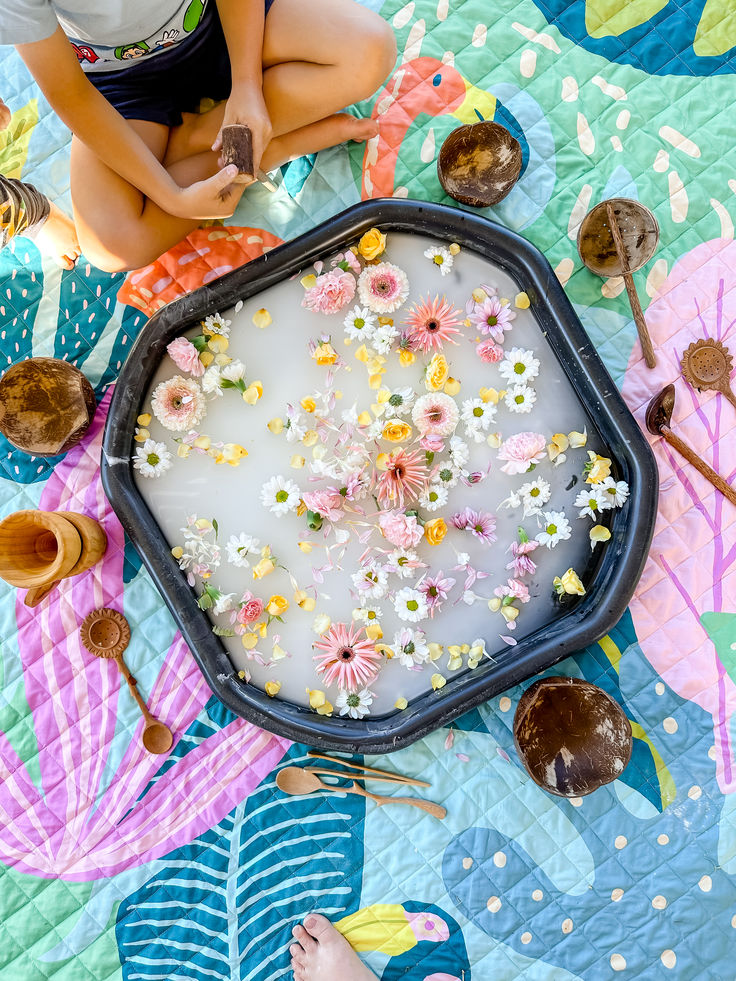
[{"x": 377, "y": 49}]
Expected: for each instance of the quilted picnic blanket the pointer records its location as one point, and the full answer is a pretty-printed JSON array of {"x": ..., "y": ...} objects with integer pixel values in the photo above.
[{"x": 115, "y": 865}]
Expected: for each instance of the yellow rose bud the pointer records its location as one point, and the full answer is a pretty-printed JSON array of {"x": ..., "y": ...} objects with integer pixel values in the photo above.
[
  {"x": 373, "y": 631},
  {"x": 308, "y": 403},
  {"x": 438, "y": 681},
  {"x": 364, "y": 419},
  {"x": 177, "y": 551},
  {"x": 310, "y": 437},
  {"x": 242, "y": 675},
  {"x": 571, "y": 583},
  {"x": 272, "y": 688},
  {"x": 264, "y": 568},
  {"x": 372, "y": 244},
  {"x": 249, "y": 641},
  {"x": 578, "y": 439},
  {"x": 202, "y": 442},
  {"x": 277, "y": 605},
  {"x": 400, "y": 704},
  {"x": 521, "y": 301},
  {"x": 406, "y": 357},
  {"x": 479, "y": 295},
  {"x": 324, "y": 354},
  {"x": 435, "y": 530},
  {"x": 308, "y": 281},
  {"x": 397, "y": 432},
  {"x": 452, "y": 386},
  {"x": 321, "y": 623},
  {"x": 599, "y": 533},
  {"x": 305, "y": 547},
  {"x": 262, "y": 318},
  {"x": 437, "y": 373},
  {"x": 435, "y": 651}
]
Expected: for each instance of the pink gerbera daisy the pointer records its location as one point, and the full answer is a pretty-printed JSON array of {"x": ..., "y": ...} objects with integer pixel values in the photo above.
[
  {"x": 435, "y": 413},
  {"x": 431, "y": 323},
  {"x": 383, "y": 287},
  {"x": 178, "y": 403},
  {"x": 346, "y": 657},
  {"x": 403, "y": 479},
  {"x": 492, "y": 317}
]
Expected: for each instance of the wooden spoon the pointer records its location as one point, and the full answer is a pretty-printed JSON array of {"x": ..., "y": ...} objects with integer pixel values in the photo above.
[
  {"x": 385, "y": 774},
  {"x": 659, "y": 414},
  {"x": 106, "y": 633},
  {"x": 295, "y": 780},
  {"x": 707, "y": 366}
]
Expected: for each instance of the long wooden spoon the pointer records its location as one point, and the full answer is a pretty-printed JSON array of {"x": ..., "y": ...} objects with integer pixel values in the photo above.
[
  {"x": 641, "y": 324},
  {"x": 385, "y": 774},
  {"x": 659, "y": 414},
  {"x": 295, "y": 780}
]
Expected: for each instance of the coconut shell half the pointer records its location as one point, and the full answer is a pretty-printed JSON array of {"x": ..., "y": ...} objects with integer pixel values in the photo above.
[
  {"x": 479, "y": 164},
  {"x": 571, "y": 736}
]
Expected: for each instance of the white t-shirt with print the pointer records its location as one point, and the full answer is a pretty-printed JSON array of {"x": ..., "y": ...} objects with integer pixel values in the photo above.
[{"x": 106, "y": 34}]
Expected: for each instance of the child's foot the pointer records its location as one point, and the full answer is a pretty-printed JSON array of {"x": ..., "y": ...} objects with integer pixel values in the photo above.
[
  {"x": 323, "y": 954},
  {"x": 57, "y": 237}
]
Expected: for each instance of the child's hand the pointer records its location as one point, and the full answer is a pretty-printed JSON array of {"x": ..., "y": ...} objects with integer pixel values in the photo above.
[
  {"x": 247, "y": 107},
  {"x": 5, "y": 115},
  {"x": 216, "y": 197}
]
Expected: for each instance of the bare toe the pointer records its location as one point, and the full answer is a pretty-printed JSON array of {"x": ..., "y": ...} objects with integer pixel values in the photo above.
[
  {"x": 300, "y": 934},
  {"x": 319, "y": 927},
  {"x": 297, "y": 954}
]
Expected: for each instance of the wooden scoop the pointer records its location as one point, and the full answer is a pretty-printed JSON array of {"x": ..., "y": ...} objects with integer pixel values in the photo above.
[
  {"x": 106, "y": 633},
  {"x": 659, "y": 414},
  {"x": 707, "y": 365},
  {"x": 295, "y": 780}
]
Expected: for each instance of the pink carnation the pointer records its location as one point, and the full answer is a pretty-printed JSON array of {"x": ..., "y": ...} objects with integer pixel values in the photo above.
[
  {"x": 251, "y": 609},
  {"x": 185, "y": 356},
  {"x": 332, "y": 291},
  {"x": 403, "y": 531},
  {"x": 328, "y": 503},
  {"x": 515, "y": 589},
  {"x": 489, "y": 351},
  {"x": 521, "y": 451},
  {"x": 432, "y": 443}
]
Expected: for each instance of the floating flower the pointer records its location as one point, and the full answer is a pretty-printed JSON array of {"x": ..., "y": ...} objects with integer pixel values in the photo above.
[
  {"x": 355, "y": 704},
  {"x": 251, "y": 609},
  {"x": 411, "y": 604},
  {"x": 402, "y": 530},
  {"x": 591, "y": 501},
  {"x": 599, "y": 533},
  {"x": 447, "y": 476},
  {"x": 383, "y": 288},
  {"x": 403, "y": 478},
  {"x": 212, "y": 380},
  {"x": 477, "y": 415},
  {"x": 152, "y": 459},
  {"x": 185, "y": 356},
  {"x": 597, "y": 468},
  {"x": 438, "y": 681},
  {"x": 437, "y": 373},
  {"x": 489, "y": 352},
  {"x": 331, "y": 292},
  {"x": 411, "y": 647},
  {"x": 396, "y": 431},
  {"x": 272, "y": 688},
  {"x": 519, "y": 366},
  {"x": 435, "y": 413},
  {"x": 383, "y": 339},
  {"x": 568, "y": 584},
  {"x": 520, "y": 398},
  {"x": 478, "y": 523},
  {"x": 403, "y": 563},
  {"x": 556, "y": 528},
  {"x": 318, "y": 702},
  {"x": 239, "y": 547},
  {"x": 433, "y": 497},
  {"x": 280, "y": 495},
  {"x": 520, "y": 551},
  {"x": 521, "y": 452},
  {"x": 436, "y": 589},
  {"x": 556, "y": 448},
  {"x": 514, "y": 590},
  {"x": 328, "y": 503},
  {"x": 432, "y": 443},
  {"x": 368, "y": 614},
  {"x": 216, "y": 324},
  {"x": 360, "y": 324},
  {"x": 372, "y": 244},
  {"x": 492, "y": 317},
  {"x": 346, "y": 657},
  {"x": 324, "y": 354},
  {"x": 398, "y": 402},
  {"x": 577, "y": 439},
  {"x": 178, "y": 403},
  {"x": 534, "y": 495},
  {"x": 370, "y": 580},
  {"x": 614, "y": 492},
  {"x": 441, "y": 257},
  {"x": 435, "y": 531},
  {"x": 262, "y": 318},
  {"x": 431, "y": 323}
]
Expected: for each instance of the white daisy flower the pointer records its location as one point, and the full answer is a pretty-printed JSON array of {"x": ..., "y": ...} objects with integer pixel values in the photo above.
[
  {"x": 411, "y": 605},
  {"x": 534, "y": 495},
  {"x": 433, "y": 497},
  {"x": 234, "y": 371},
  {"x": 215, "y": 324},
  {"x": 223, "y": 603},
  {"x": 239, "y": 546},
  {"x": 459, "y": 451},
  {"x": 152, "y": 459},
  {"x": 615, "y": 492},
  {"x": 370, "y": 613},
  {"x": 403, "y": 563},
  {"x": 556, "y": 528},
  {"x": 383, "y": 339},
  {"x": 441, "y": 257},
  {"x": 280, "y": 495},
  {"x": 477, "y": 414},
  {"x": 211, "y": 380},
  {"x": 360, "y": 324},
  {"x": 399, "y": 402},
  {"x": 519, "y": 366},
  {"x": 410, "y": 647},
  {"x": 371, "y": 581},
  {"x": 356, "y": 704},
  {"x": 591, "y": 500},
  {"x": 447, "y": 476},
  {"x": 520, "y": 398},
  {"x": 512, "y": 501}
]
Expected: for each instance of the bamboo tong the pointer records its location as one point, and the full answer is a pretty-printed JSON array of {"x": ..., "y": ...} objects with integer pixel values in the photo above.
[{"x": 305, "y": 780}]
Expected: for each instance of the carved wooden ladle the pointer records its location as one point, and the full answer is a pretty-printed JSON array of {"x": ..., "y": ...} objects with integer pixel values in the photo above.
[
  {"x": 658, "y": 417},
  {"x": 707, "y": 365}
]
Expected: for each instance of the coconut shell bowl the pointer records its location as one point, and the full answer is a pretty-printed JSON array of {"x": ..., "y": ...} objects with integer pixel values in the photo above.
[{"x": 479, "y": 164}]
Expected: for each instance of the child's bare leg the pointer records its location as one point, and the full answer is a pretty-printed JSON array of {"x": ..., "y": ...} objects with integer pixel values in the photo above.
[
  {"x": 57, "y": 237},
  {"x": 323, "y": 954}
]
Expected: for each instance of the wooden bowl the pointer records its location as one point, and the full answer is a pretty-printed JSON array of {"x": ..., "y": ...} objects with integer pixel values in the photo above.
[
  {"x": 37, "y": 547},
  {"x": 571, "y": 736},
  {"x": 46, "y": 406},
  {"x": 479, "y": 164}
]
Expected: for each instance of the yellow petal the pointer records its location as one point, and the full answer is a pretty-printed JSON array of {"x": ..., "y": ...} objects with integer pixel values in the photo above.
[
  {"x": 278, "y": 652},
  {"x": 183, "y": 450},
  {"x": 382, "y": 461},
  {"x": 406, "y": 357},
  {"x": 438, "y": 681},
  {"x": 400, "y": 704},
  {"x": 177, "y": 551},
  {"x": 578, "y": 439},
  {"x": 452, "y": 386},
  {"x": 253, "y": 392},
  {"x": 599, "y": 533},
  {"x": 453, "y": 248},
  {"x": 521, "y": 301},
  {"x": 321, "y": 623},
  {"x": 297, "y": 462},
  {"x": 262, "y": 318},
  {"x": 364, "y": 419},
  {"x": 141, "y": 435},
  {"x": 206, "y": 358},
  {"x": 317, "y": 698},
  {"x": 479, "y": 295},
  {"x": 494, "y": 440},
  {"x": 144, "y": 419},
  {"x": 310, "y": 437},
  {"x": 489, "y": 395},
  {"x": 249, "y": 641},
  {"x": 272, "y": 688},
  {"x": 509, "y": 612},
  {"x": 435, "y": 651},
  {"x": 305, "y": 547},
  {"x": 308, "y": 403},
  {"x": 494, "y": 604},
  {"x": 373, "y": 631},
  {"x": 362, "y": 353},
  {"x": 202, "y": 442},
  {"x": 308, "y": 281}
]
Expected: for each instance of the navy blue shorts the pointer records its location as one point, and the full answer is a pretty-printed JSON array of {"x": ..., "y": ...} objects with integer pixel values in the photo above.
[{"x": 160, "y": 88}]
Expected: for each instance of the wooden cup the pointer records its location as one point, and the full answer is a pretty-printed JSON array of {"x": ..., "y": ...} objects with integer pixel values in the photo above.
[
  {"x": 94, "y": 546},
  {"x": 37, "y": 547}
]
